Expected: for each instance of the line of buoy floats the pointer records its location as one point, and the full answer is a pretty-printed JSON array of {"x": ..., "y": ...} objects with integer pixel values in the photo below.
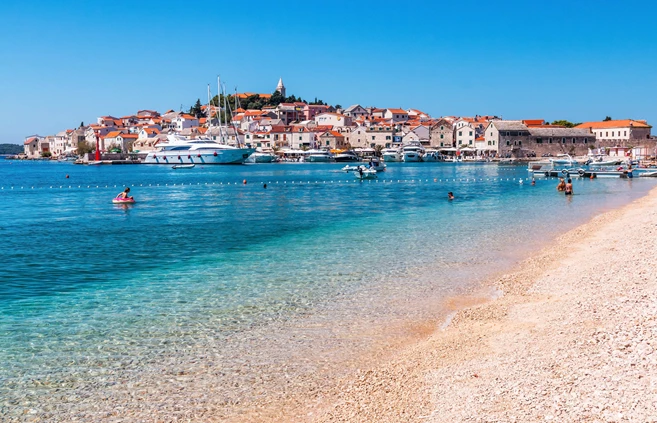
[{"x": 268, "y": 183}]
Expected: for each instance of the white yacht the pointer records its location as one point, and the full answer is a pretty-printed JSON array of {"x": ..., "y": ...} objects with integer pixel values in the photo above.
[
  {"x": 412, "y": 151},
  {"x": 391, "y": 155},
  {"x": 260, "y": 156},
  {"x": 432, "y": 156},
  {"x": 180, "y": 150},
  {"x": 318, "y": 156}
]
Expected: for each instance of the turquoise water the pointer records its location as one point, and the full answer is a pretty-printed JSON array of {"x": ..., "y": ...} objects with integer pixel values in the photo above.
[{"x": 295, "y": 276}]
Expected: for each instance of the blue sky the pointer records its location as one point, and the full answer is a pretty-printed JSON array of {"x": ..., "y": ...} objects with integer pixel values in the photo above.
[{"x": 66, "y": 62}]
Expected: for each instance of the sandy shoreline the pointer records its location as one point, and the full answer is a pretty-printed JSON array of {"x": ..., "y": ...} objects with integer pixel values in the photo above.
[{"x": 573, "y": 338}]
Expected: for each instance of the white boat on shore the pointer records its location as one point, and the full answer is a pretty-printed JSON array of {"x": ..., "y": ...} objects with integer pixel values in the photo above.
[
  {"x": 413, "y": 151},
  {"x": 318, "y": 156},
  {"x": 260, "y": 156},
  {"x": 391, "y": 155}
]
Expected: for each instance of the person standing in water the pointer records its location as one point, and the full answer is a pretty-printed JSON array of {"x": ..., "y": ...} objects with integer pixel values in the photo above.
[
  {"x": 562, "y": 185},
  {"x": 450, "y": 195},
  {"x": 569, "y": 187}
]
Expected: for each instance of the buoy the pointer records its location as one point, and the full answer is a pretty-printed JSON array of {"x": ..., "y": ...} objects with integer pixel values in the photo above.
[
  {"x": 215, "y": 154},
  {"x": 199, "y": 155},
  {"x": 66, "y": 176},
  {"x": 244, "y": 182}
]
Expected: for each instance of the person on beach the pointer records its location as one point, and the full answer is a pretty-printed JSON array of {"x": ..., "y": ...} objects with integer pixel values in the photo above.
[
  {"x": 569, "y": 187},
  {"x": 124, "y": 195},
  {"x": 562, "y": 185},
  {"x": 450, "y": 195}
]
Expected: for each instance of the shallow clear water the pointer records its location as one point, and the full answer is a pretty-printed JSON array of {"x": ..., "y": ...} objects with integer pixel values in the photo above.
[{"x": 317, "y": 261}]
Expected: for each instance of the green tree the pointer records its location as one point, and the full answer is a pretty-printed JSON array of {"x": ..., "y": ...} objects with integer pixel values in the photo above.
[
  {"x": 338, "y": 106},
  {"x": 11, "y": 149},
  {"x": 276, "y": 99},
  {"x": 565, "y": 123},
  {"x": 607, "y": 119},
  {"x": 85, "y": 147},
  {"x": 196, "y": 109},
  {"x": 81, "y": 124}
]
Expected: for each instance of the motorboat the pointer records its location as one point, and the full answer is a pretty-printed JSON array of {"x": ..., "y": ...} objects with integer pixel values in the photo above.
[
  {"x": 346, "y": 156},
  {"x": 376, "y": 164},
  {"x": 350, "y": 168},
  {"x": 181, "y": 150},
  {"x": 365, "y": 173},
  {"x": 391, "y": 155},
  {"x": 183, "y": 166},
  {"x": 432, "y": 156},
  {"x": 260, "y": 156},
  {"x": 412, "y": 152},
  {"x": 318, "y": 156},
  {"x": 565, "y": 160}
]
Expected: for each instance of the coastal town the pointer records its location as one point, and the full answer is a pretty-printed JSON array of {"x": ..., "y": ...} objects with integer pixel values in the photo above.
[{"x": 289, "y": 128}]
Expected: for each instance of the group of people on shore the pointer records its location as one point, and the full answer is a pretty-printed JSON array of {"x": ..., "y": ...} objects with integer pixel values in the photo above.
[{"x": 565, "y": 187}]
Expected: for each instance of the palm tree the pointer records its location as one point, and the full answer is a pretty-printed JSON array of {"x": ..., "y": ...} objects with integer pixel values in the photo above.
[{"x": 377, "y": 150}]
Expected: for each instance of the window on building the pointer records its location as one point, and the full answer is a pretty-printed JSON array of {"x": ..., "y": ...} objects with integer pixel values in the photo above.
[
  {"x": 387, "y": 137},
  {"x": 563, "y": 140},
  {"x": 539, "y": 140},
  {"x": 586, "y": 140},
  {"x": 606, "y": 134},
  {"x": 328, "y": 142},
  {"x": 442, "y": 136},
  {"x": 300, "y": 137},
  {"x": 441, "y": 144},
  {"x": 508, "y": 142},
  {"x": 508, "y": 133},
  {"x": 442, "y": 128},
  {"x": 460, "y": 133},
  {"x": 470, "y": 133},
  {"x": 574, "y": 140},
  {"x": 550, "y": 141},
  {"x": 519, "y": 142},
  {"x": 470, "y": 142},
  {"x": 488, "y": 142},
  {"x": 625, "y": 133}
]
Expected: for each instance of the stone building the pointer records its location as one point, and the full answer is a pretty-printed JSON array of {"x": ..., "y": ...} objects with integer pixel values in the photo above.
[
  {"x": 619, "y": 133},
  {"x": 515, "y": 139}
]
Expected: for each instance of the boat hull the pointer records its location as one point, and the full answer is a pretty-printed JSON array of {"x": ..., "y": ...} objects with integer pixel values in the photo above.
[
  {"x": 411, "y": 157},
  {"x": 236, "y": 156},
  {"x": 392, "y": 158}
]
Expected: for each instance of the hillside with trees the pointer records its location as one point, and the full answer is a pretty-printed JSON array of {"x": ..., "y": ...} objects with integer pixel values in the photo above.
[
  {"x": 253, "y": 102},
  {"x": 11, "y": 149}
]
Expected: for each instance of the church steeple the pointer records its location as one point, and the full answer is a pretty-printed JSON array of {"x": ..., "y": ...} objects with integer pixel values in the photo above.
[{"x": 280, "y": 87}]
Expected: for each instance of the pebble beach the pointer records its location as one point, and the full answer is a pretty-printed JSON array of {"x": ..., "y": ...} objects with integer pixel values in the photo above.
[{"x": 572, "y": 339}]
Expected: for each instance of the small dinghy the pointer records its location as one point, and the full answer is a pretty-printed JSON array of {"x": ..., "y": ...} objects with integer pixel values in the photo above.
[{"x": 183, "y": 166}]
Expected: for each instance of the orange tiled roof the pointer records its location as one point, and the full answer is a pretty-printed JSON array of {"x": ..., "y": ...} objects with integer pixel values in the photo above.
[
  {"x": 335, "y": 134},
  {"x": 399, "y": 111},
  {"x": 113, "y": 134},
  {"x": 29, "y": 140},
  {"x": 624, "y": 123},
  {"x": 129, "y": 136},
  {"x": 533, "y": 122}
]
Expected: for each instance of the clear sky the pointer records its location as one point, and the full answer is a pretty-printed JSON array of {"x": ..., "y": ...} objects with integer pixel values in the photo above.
[{"x": 65, "y": 62}]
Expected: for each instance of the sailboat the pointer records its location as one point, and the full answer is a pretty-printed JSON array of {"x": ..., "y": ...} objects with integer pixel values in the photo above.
[{"x": 179, "y": 150}]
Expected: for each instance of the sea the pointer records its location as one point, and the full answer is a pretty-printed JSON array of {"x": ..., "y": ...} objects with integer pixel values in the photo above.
[{"x": 247, "y": 281}]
